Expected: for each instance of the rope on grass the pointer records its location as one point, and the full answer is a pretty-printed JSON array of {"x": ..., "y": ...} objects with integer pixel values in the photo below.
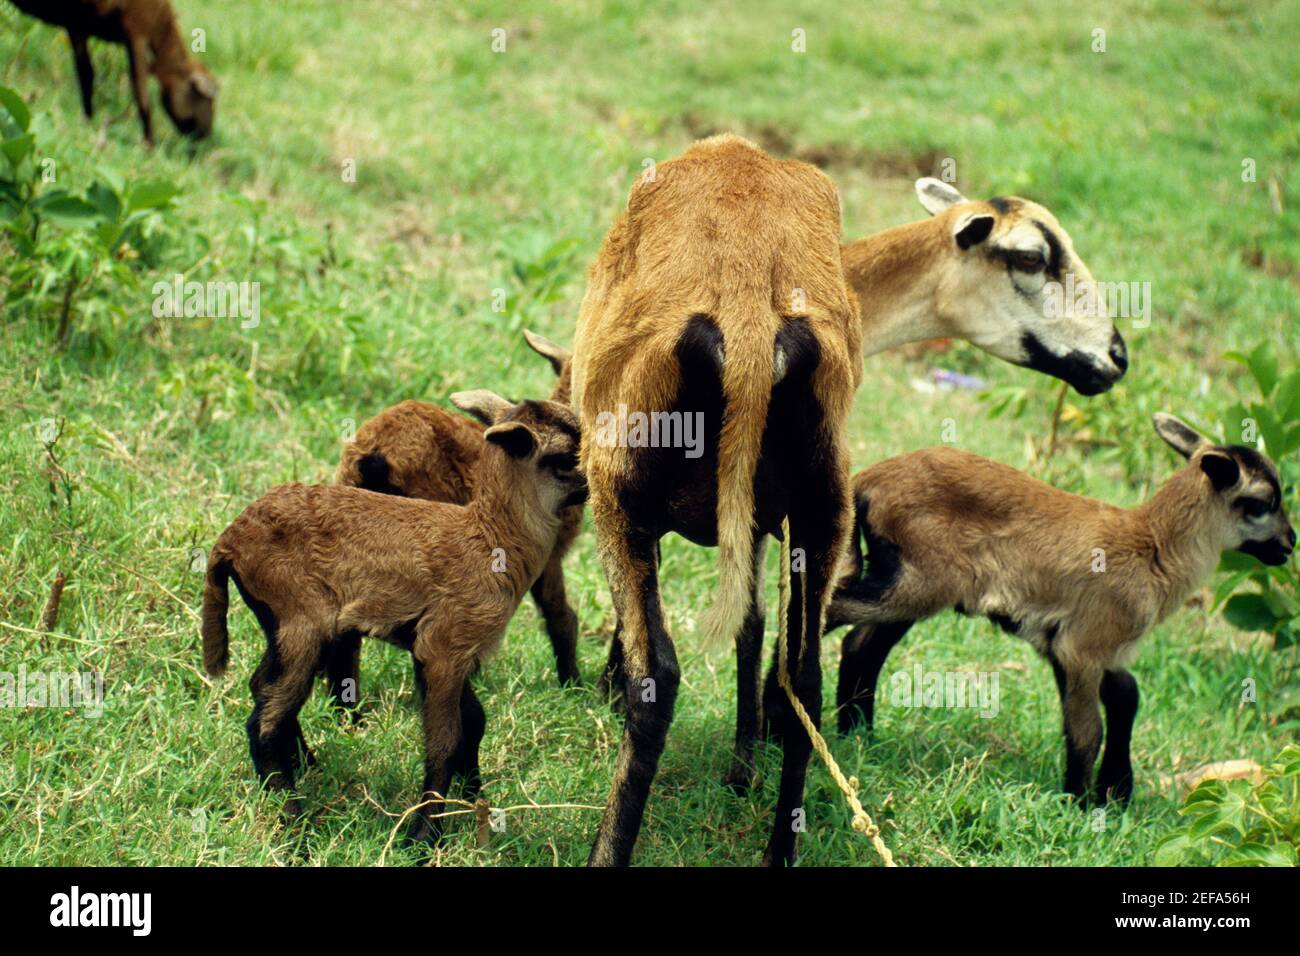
[{"x": 862, "y": 822}]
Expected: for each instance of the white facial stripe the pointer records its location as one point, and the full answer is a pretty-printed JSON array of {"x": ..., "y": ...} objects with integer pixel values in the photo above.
[{"x": 1024, "y": 237}]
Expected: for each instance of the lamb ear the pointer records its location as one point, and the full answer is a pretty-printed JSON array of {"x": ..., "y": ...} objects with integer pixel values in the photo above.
[
  {"x": 557, "y": 355},
  {"x": 1222, "y": 470},
  {"x": 484, "y": 405},
  {"x": 1178, "y": 435},
  {"x": 516, "y": 438},
  {"x": 936, "y": 195}
]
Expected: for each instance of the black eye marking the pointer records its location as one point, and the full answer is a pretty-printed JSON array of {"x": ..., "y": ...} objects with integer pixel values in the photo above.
[
  {"x": 560, "y": 461},
  {"x": 1053, "y": 251},
  {"x": 1026, "y": 260},
  {"x": 1254, "y": 507},
  {"x": 1261, "y": 467}
]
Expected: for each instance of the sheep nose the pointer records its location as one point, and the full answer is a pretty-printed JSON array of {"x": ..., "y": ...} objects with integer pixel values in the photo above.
[{"x": 1118, "y": 353}]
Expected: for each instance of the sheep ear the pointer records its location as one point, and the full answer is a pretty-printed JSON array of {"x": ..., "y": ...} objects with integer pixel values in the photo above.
[
  {"x": 516, "y": 438},
  {"x": 557, "y": 355},
  {"x": 205, "y": 84},
  {"x": 1178, "y": 435},
  {"x": 484, "y": 405},
  {"x": 936, "y": 195},
  {"x": 972, "y": 228},
  {"x": 1222, "y": 470}
]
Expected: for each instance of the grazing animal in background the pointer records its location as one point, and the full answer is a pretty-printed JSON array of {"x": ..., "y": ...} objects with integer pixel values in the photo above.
[
  {"x": 1080, "y": 580},
  {"x": 148, "y": 30},
  {"x": 717, "y": 300},
  {"x": 418, "y": 450},
  {"x": 319, "y": 564}
]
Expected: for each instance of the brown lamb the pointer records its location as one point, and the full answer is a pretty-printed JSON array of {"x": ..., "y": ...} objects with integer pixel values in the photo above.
[
  {"x": 319, "y": 564},
  {"x": 148, "y": 30},
  {"x": 1080, "y": 580},
  {"x": 418, "y": 450}
]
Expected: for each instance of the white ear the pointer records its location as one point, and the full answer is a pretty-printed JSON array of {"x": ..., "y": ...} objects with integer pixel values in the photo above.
[
  {"x": 1179, "y": 436},
  {"x": 484, "y": 405},
  {"x": 557, "y": 355},
  {"x": 936, "y": 195}
]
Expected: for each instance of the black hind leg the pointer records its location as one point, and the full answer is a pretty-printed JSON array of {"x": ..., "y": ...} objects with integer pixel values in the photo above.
[
  {"x": 862, "y": 657},
  {"x": 473, "y": 721},
  {"x": 1119, "y": 697},
  {"x": 610, "y": 685},
  {"x": 561, "y": 621},
  {"x": 274, "y": 734},
  {"x": 342, "y": 659}
]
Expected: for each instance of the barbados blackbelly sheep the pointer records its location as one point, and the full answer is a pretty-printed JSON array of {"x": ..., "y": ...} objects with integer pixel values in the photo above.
[
  {"x": 419, "y": 450},
  {"x": 148, "y": 30},
  {"x": 717, "y": 299},
  {"x": 993, "y": 273},
  {"x": 1080, "y": 580},
  {"x": 321, "y": 564},
  {"x": 980, "y": 271}
]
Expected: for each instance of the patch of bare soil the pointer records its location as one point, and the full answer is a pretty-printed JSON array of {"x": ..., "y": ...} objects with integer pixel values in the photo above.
[{"x": 889, "y": 164}]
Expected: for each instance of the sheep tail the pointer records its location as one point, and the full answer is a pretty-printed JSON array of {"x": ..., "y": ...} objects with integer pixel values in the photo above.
[
  {"x": 216, "y": 602},
  {"x": 747, "y": 387}
]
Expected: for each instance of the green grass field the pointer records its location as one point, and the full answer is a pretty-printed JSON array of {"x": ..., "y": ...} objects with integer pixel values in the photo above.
[{"x": 479, "y": 171}]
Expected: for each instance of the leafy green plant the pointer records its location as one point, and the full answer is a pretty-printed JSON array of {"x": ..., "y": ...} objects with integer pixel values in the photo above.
[
  {"x": 540, "y": 270},
  {"x": 65, "y": 241},
  {"x": 1272, "y": 601},
  {"x": 1240, "y": 822}
]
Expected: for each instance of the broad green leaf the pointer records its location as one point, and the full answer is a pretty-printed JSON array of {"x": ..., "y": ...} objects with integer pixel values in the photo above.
[
  {"x": 1287, "y": 403},
  {"x": 1236, "y": 420},
  {"x": 14, "y": 104},
  {"x": 1287, "y": 636},
  {"x": 68, "y": 210},
  {"x": 1173, "y": 851},
  {"x": 1263, "y": 365},
  {"x": 18, "y": 148},
  {"x": 105, "y": 200},
  {"x": 112, "y": 178},
  {"x": 151, "y": 194},
  {"x": 1236, "y": 561},
  {"x": 1269, "y": 429},
  {"x": 1249, "y": 612},
  {"x": 1229, "y": 584},
  {"x": 108, "y": 235},
  {"x": 1257, "y": 854},
  {"x": 1291, "y": 442},
  {"x": 23, "y": 242},
  {"x": 1206, "y": 825}
]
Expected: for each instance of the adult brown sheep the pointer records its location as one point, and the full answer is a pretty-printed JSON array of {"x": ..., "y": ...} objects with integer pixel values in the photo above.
[{"x": 718, "y": 300}]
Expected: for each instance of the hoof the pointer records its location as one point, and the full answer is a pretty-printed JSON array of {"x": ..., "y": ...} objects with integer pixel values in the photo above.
[
  {"x": 611, "y": 697},
  {"x": 423, "y": 833},
  {"x": 851, "y": 720},
  {"x": 739, "y": 776},
  {"x": 605, "y": 687},
  {"x": 775, "y": 858}
]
